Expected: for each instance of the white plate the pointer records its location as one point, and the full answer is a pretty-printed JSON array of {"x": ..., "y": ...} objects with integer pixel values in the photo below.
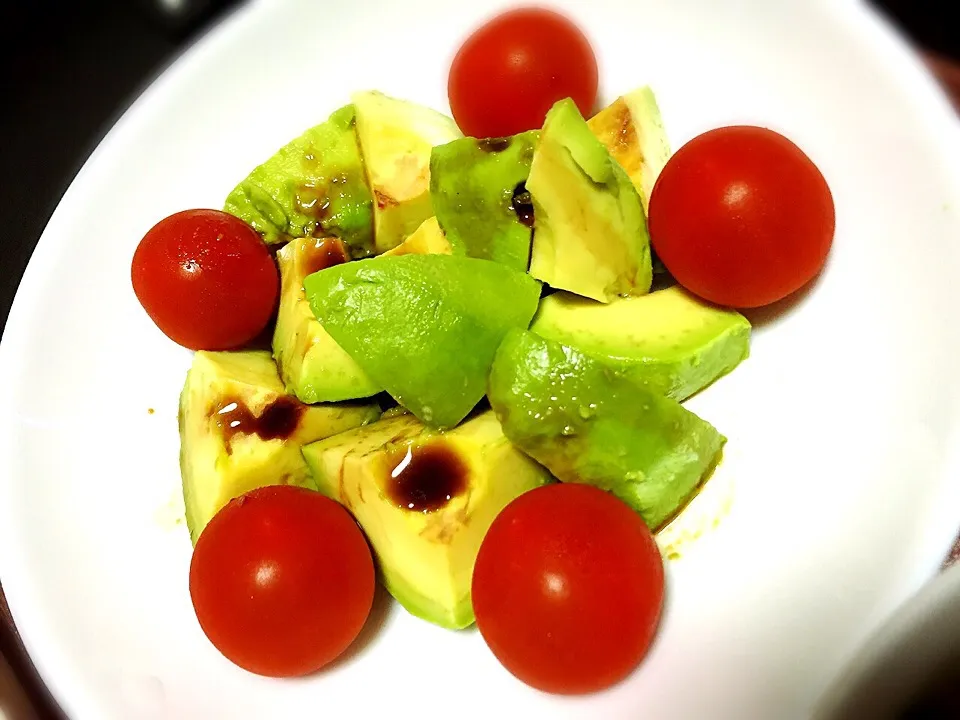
[{"x": 842, "y": 425}]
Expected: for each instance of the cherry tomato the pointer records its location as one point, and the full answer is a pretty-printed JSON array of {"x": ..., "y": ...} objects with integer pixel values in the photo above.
[
  {"x": 509, "y": 73},
  {"x": 741, "y": 217},
  {"x": 206, "y": 279},
  {"x": 282, "y": 581},
  {"x": 567, "y": 588}
]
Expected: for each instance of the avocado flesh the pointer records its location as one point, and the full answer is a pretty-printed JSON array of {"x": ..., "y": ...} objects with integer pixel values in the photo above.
[
  {"x": 474, "y": 185},
  {"x": 668, "y": 341},
  {"x": 426, "y": 558},
  {"x": 586, "y": 423},
  {"x": 239, "y": 431},
  {"x": 396, "y": 138},
  {"x": 314, "y": 185},
  {"x": 424, "y": 327},
  {"x": 590, "y": 230},
  {"x": 312, "y": 366},
  {"x": 428, "y": 239},
  {"x": 632, "y": 130}
]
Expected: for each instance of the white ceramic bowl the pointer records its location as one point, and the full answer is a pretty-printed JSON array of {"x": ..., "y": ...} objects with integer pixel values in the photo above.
[{"x": 841, "y": 472}]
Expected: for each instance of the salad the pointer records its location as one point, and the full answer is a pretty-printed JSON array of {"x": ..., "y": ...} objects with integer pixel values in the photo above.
[{"x": 449, "y": 355}]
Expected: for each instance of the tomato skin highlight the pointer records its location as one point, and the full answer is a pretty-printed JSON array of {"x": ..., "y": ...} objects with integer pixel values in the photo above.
[
  {"x": 568, "y": 588},
  {"x": 511, "y": 71},
  {"x": 742, "y": 217},
  {"x": 282, "y": 581},
  {"x": 206, "y": 279}
]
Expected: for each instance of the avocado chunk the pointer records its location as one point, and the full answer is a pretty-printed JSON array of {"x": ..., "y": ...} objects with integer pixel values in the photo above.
[
  {"x": 239, "y": 431},
  {"x": 475, "y": 185},
  {"x": 586, "y": 423},
  {"x": 312, "y": 366},
  {"x": 632, "y": 130},
  {"x": 314, "y": 185},
  {"x": 428, "y": 239},
  {"x": 590, "y": 229},
  {"x": 425, "y": 501},
  {"x": 669, "y": 341},
  {"x": 424, "y": 327},
  {"x": 396, "y": 138}
]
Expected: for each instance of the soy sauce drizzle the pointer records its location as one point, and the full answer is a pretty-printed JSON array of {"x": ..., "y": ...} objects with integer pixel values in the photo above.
[
  {"x": 277, "y": 421},
  {"x": 425, "y": 478},
  {"x": 322, "y": 253},
  {"x": 493, "y": 145},
  {"x": 522, "y": 205}
]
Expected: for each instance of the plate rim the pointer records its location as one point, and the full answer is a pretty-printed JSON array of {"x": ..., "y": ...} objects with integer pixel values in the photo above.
[{"x": 864, "y": 24}]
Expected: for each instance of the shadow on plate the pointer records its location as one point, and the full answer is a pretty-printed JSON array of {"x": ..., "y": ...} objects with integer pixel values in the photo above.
[
  {"x": 770, "y": 314},
  {"x": 383, "y": 608}
]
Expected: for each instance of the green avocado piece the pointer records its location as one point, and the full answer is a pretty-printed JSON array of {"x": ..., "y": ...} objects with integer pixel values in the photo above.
[
  {"x": 632, "y": 130},
  {"x": 428, "y": 239},
  {"x": 669, "y": 341},
  {"x": 476, "y": 188},
  {"x": 587, "y": 423},
  {"x": 424, "y": 327},
  {"x": 396, "y": 138},
  {"x": 314, "y": 185},
  {"x": 312, "y": 366},
  {"x": 590, "y": 231},
  {"x": 239, "y": 431},
  {"x": 425, "y": 552}
]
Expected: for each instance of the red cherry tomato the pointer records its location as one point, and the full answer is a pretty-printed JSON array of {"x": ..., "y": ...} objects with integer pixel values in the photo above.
[
  {"x": 741, "y": 217},
  {"x": 509, "y": 73},
  {"x": 567, "y": 588},
  {"x": 206, "y": 279},
  {"x": 282, "y": 581}
]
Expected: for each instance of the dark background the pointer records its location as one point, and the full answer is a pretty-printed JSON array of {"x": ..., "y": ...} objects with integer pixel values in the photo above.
[{"x": 70, "y": 67}]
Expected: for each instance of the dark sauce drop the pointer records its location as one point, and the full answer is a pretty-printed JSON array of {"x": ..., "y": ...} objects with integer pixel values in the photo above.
[
  {"x": 522, "y": 205},
  {"x": 383, "y": 200},
  {"x": 313, "y": 201},
  {"x": 493, "y": 145},
  {"x": 425, "y": 478},
  {"x": 322, "y": 253},
  {"x": 278, "y": 421}
]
